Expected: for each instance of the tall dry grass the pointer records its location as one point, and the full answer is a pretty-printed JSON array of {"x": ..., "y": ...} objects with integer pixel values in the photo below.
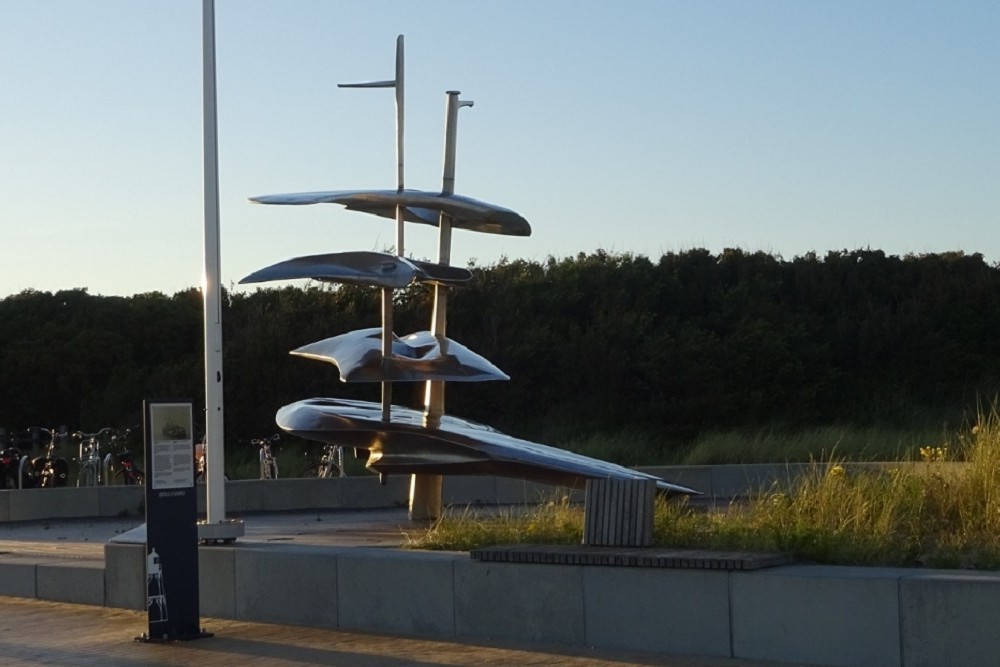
[
  {"x": 776, "y": 445},
  {"x": 556, "y": 521},
  {"x": 924, "y": 513}
]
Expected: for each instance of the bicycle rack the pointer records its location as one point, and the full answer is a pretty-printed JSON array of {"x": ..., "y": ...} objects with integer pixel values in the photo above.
[{"x": 21, "y": 468}]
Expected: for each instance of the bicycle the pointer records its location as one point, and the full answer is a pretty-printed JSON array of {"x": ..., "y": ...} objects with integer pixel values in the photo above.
[
  {"x": 121, "y": 466},
  {"x": 268, "y": 461},
  {"x": 91, "y": 465},
  {"x": 201, "y": 462},
  {"x": 10, "y": 462},
  {"x": 48, "y": 470},
  {"x": 331, "y": 464}
]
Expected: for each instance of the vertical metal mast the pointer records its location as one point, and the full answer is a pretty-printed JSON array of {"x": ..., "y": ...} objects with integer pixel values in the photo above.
[
  {"x": 212, "y": 286},
  {"x": 434, "y": 393},
  {"x": 396, "y": 83},
  {"x": 425, "y": 490}
]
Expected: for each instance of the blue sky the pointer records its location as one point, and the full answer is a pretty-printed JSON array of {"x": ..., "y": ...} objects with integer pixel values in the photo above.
[{"x": 644, "y": 127}]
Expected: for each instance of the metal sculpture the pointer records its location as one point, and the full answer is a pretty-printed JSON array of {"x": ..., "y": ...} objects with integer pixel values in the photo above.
[
  {"x": 456, "y": 446},
  {"x": 373, "y": 269},
  {"x": 416, "y": 206},
  {"x": 419, "y": 357},
  {"x": 426, "y": 444}
]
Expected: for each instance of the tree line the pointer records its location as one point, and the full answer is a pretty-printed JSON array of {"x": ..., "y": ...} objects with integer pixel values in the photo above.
[{"x": 599, "y": 342}]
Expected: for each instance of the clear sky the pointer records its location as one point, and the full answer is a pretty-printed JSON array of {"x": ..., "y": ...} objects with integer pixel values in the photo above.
[{"x": 640, "y": 126}]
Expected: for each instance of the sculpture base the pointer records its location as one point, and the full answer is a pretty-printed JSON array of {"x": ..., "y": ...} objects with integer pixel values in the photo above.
[{"x": 222, "y": 532}]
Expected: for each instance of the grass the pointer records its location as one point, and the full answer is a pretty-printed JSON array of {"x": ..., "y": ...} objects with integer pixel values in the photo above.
[
  {"x": 772, "y": 444},
  {"x": 629, "y": 447},
  {"x": 556, "y": 521},
  {"x": 845, "y": 441},
  {"x": 922, "y": 513}
]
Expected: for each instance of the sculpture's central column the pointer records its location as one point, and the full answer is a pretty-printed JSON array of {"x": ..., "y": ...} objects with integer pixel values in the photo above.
[{"x": 425, "y": 497}]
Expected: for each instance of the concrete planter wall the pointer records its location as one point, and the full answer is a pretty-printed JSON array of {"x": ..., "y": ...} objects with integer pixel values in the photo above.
[
  {"x": 797, "y": 614},
  {"x": 822, "y": 615}
]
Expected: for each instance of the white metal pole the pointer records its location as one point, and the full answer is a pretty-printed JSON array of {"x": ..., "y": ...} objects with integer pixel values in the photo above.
[{"x": 212, "y": 285}]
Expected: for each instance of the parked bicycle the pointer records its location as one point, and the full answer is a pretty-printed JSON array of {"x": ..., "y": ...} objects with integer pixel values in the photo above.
[
  {"x": 10, "y": 462},
  {"x": 331, "y": 463},
  {"x": 48, "y": 470},
  {"x": 121, "y": 466},
  {"x": 91, "y": 464},
  {"x": 201, "y": 461},
  {"x": 268, "y": 460}
]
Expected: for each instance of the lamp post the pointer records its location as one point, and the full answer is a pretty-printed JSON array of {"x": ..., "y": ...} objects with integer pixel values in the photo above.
[{"x": 215, "y": 527}]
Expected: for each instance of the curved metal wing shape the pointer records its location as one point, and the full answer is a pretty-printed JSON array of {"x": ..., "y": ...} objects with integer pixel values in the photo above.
[
  {"x": 418, "y": 206},
  {"x": 370, "y": 269},
  {"x": 405, "y": 445},
  {"x": 415, "y": 358}
]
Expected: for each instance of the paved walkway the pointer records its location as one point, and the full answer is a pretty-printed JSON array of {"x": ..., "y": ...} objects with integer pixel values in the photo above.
[
  {"x": 348, "y": 528},
  {"x": 34, "y": 632}
]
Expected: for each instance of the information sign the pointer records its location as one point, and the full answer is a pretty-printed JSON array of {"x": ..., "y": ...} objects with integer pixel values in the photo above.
[{"x": 171, "y": 522}]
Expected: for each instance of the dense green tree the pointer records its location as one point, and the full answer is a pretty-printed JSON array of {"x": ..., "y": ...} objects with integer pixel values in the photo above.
[{"x": 596, "y": 342}]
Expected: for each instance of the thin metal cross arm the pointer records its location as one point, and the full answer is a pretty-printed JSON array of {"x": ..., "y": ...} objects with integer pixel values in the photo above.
[{"x": 398, "y": 84}]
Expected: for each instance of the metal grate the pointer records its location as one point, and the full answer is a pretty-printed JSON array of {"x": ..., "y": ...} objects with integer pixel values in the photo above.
[{"x": 619, "y": 512}]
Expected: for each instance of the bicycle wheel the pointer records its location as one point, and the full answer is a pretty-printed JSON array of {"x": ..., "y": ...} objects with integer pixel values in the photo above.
[
  {"x": 311, "y": 471},
  {"x": 271, "y": 469},
  {"x": 60, "y": 472}
]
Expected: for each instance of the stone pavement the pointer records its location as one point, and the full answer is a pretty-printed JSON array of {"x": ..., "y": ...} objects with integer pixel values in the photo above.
[
  {"x": 85, "y": 537},
  {"x": 34, "y": 632}
]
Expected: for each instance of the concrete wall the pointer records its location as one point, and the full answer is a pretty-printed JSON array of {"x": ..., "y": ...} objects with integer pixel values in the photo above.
[
  {"x": 720, "y": 482},
  {"x": 61, "y": 503},
  {"x": 277, "y": 495},
  {"x": 818, "y": 615},
  {"x": 799, "y": 614},
  {"x": 725, "y": 482}
]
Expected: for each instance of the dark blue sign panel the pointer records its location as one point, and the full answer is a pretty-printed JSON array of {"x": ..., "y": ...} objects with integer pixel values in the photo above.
[{"x": 171, "y": 522}]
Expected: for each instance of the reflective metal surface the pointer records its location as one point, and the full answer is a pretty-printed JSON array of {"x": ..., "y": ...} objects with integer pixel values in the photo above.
[
  {"x": 418, "y": 206},
  {"x": 456, "y": 446},
  {"x": 415, "y": 358},
  {"x": 369, "y": 269},
  {"x": 426, "y": 443}
]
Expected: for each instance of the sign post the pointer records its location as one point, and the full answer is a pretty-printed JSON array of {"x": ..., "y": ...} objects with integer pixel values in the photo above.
[{"x": 171, "y": 522}]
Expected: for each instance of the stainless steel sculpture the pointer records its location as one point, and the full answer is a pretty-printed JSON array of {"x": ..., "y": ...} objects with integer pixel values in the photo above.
[
  {"x": 418, "y": 357},
  {"x": 455, "y": 447},
  {"x": 417, "y": 206},
  {"x": 425, "y": 444},
  {"x": 374, "y": 269}
]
